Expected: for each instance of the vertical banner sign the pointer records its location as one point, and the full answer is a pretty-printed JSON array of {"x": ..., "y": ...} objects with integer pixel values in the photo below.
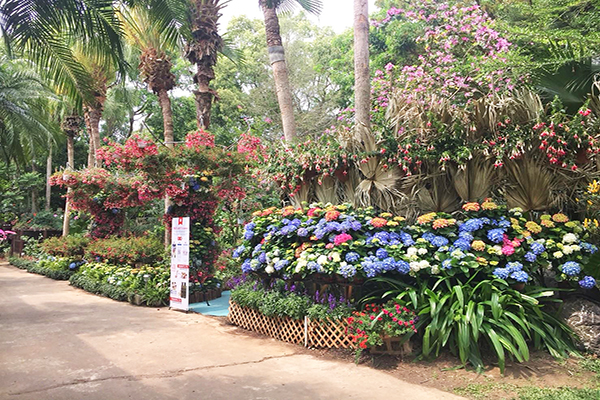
[{"x": 180, "y": 263}]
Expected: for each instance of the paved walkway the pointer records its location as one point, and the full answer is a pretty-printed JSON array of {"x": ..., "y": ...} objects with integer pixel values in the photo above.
[{"x": 57, "y": 342}]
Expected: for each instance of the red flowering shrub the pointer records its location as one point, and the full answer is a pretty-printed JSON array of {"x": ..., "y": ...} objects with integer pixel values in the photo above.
[
  {"x": 126, "y": 250},
  {"x": 67, "y": 246}
]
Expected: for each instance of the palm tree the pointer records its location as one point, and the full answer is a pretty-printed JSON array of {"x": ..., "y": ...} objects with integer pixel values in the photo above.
[
  {"x": 71, "y": 126},
  {"x": 277, "y": 56},
  {"x": 204, "y": 44},
  {"x": 362, "y": 86},
  {"x": 155, "y": 65}
]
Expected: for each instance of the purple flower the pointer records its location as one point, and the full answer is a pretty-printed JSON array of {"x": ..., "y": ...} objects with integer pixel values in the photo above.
[
  {"x": 587, "y": 282},
  {"x": 262, "y": 258},
  {"x": 246, "y": 265},
  {"x": 248, "y": 235},
  {"x": 238, "y": 251},
  {"x": 303, "y": 232}
]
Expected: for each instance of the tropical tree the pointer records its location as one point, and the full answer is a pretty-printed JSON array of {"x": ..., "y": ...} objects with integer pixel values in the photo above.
[
  {"x": 362, "y": 78},
  {"x": 277, "y": 56}
]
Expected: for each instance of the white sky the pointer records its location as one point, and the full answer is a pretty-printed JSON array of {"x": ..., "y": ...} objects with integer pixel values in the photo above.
[{"x": 336, "y": 13}]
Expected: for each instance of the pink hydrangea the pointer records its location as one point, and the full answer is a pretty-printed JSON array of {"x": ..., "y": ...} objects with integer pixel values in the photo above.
[
  {"x": 341, "y": 238},
  {"x": 508, "y": 250}
]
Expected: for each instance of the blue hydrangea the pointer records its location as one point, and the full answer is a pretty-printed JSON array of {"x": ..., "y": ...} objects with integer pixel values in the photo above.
[
  {"x": 286, "y": 230},
  {"x": 501, "y": 273},
  {"x": 466, "y": 236},
  {"x": 248, "y": 235},
  {"x": 503, "y": 223},
  {"x": 496, "y": 235},
  {"x": 403, "y": 267},
  {"x": 520, "y": 276},
  {"x": 389, "y": 264},
  {"x": 537, "y": 248},
  {"x": 303, "y": 232},
  {"x": 296, "y": 222},
  {"x": 529, "y": 256},
  {"x": 590, "y": 248},
  {"x": 406, "y": 239},
  {"x": 313, "y": 265},
  {"x": 571, "y": 268},
  {"x": 514, "y": 266},
  {"x": 262, "y": 258},
  {"x": 257, "y": 249},
  {"x": 371, "y": 266},
  {"x": 320, "y": 233},
  {"x": 381, "y": 254},
  {"x": 486, "y": 221},
  {"x": 471, "y": 225},
  {"x": 246, "y": 267},
  {"x": 587, "y": 282},
  {"x": 346, "y": 226},
  {"x": 250, "y": 226},
  {"x": 238, "y": 251},
  {"x": 428, "y": 236},
  {"x": 347, "y": 271},
  {"x": 447, "y": 264},
  {"x": 439, "y": 241},
  {"x": 384, "y": 237},
  {"x": 352, "y": 257},
  {"x": 281, "y": 264},
  {"x": 356, "y": 226},
  {"x": 462, "y": 244},
  {"x": 333, "y": 227}
]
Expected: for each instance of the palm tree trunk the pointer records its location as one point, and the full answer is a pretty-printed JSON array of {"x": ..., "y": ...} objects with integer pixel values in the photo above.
[
  {"x": 362, "y": 87},
  {"x": 71, "y": 164},
  {"x": 94, "y": 118},
  {"x": 280, "y": 71},
  {"x": 34, "y": 208},
  {"x": 167, "y": 112},
  {"x": 48, "y": 175}
]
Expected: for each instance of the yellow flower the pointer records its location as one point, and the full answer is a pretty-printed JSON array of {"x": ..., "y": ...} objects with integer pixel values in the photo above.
[
  {"x": 478, "y": 245},
  {"x": 386, "y": 215},
  {"x": 489, "y": 205},
  {"x": 533, "y": 227},
  {"x": 399, "y": 218},
  {"x": 593, "y": 187},
  {"x": 560, "y": 217},
  {"x": 471, "y": 206},
  {"x": 526, "y": 233},
  {"x": 482, "y": 260},
  {"x": 204, "y": 179},
  {"x": 426, "y": 218},
  {"x": 440, "y": 223},
  {"x": 547, "y": 223},
  {"x": 392, "y": 223},
  {"x": 494, "y": 262}
]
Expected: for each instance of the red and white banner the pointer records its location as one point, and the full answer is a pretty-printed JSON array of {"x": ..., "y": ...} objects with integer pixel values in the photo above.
[{"x": 180, "y": 263}]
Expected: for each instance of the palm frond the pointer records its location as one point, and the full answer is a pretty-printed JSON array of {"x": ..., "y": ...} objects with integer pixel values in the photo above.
[{"x": 474, "y": 180}]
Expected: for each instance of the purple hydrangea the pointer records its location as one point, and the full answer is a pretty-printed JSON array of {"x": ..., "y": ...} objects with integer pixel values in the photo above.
[
  {"x": 246, "y": 267},
  {"x": 571, "y": 268},
  {"x": 356, "y": 226},
  {"x": 587, "y": 282},
  {"x": 262, "y": 258},
  {"x": 250, "y": 226},
  {"x": 303, "y": 232},
  {"x": 520, "y": 276},
  {"x": 352, "y": 257},
  {"x": 248, "y": 235},
  {"x": 496, "y": 235}
]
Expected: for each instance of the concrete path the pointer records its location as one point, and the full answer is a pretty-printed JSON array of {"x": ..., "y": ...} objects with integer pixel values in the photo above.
[{"x": 57, "y": 342}]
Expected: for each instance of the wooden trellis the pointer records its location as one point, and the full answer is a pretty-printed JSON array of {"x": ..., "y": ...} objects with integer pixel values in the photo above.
[{"x": 324, "y": 334}]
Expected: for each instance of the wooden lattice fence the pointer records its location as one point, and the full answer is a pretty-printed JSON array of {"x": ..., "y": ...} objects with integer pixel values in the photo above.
[{"x": 324, "y": 334}]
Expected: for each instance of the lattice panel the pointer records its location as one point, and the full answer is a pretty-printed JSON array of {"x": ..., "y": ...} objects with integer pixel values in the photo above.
[
  {"x": 328, "y": 334},
  {"x": 282, "y": 328}
]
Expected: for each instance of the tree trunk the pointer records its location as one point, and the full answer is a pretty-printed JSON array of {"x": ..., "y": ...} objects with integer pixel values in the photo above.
[
  {"x": 280, "y": 71},
  {"x": 362, "y": 86},
  {"x": 48, "y": 175},
  {"x": 70, "y": 164},
  {"x": 34, "y": 208},
  {"x": 94, "y": 118},
  {"x": 167, "y": 112}
]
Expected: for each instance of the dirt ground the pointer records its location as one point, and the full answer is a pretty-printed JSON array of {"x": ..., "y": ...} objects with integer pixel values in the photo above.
[{"x": 445, "y": 373}]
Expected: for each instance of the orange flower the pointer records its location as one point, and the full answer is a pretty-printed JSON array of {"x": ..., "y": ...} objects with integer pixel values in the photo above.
[
  {"x": 440, "y": 223},
  {"x": 547, "y": 223},
  {"x": 488, "y": 204},
  {"x": 471, "y": 206},
  {"x": 378, "y": 222},
  {"x": 289, "y": 210},
  {"x": 426, "y": 218},
  {"x": 332, "y": 215},
  {"x": 560, "y": 218}
]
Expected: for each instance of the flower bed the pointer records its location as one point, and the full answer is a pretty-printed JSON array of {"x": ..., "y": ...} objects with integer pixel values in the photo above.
[
  {"x": 54, "y": 268},
  {"x": 356, "y": 244}
]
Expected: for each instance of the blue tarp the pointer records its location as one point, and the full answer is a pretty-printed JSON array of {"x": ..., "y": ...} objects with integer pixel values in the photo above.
[{"x": 218, "y": 307}]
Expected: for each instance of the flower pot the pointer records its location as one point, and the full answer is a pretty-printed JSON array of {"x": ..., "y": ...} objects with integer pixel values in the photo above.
[
  {"x": 393, "y": 346},
  {"x": 520, "y": 286}
]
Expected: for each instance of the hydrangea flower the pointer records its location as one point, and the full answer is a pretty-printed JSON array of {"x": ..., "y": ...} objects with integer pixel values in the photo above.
[
  {"x": 347, "y": 270},
  {"x": 537, "y": 248},
  {"x": 439, "y": 241},
  {"x": 503, "y": 223},
  {"x": 341, "y": 238},
  {"x": 501, "y": 273},
  {"x": 246, "y": 267},
  {"x": 312, "y": 265},
  {"x": 447, "y": 264},
  {"x": 352, "y": 257},
  {"x": 238, "y": 251},
  {"x": 587, "y": 282},
  {"x": 281, "y": 264},
  {"x": 406, "y": 239},
  {"x": 403, "y": 267},
  {"x": 462, "y": 244},
  {"x": 520, "y": 276},
  {"x": 590, "y": 248},
  {"x": 514, "y": 266},
  {"x": 466, "y": 236},
  {"x": 383, "y": 237},
  {"x": 471, "y": 225},
  {"x": 250, "y": 226},
  {"x": 381, "y": 253},
  {"x": 529, "y": 256},
  {"x": 570, "y": 238},
  {"x": 496, "y": 235},
  {"x": 571, "y": 268},
  {"x": 371, "y": 266},
  {"x": 248, "y": 235},
  {"x": 389, "y": 264},
  {"x": 262, "y": 258}
]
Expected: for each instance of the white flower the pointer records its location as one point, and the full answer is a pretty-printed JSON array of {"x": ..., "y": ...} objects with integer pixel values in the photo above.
[
  {"x": 276, "y": 252},
  {"x": 343, "y": 264},
  {"x": 435, "y": 269},
  {"x": 422, "y": 251},
  {"x": 575, "y": 247},
  {"x": 570, "y": 238},
  {"x": 335, "y": 257},
  {"x": 557, "y": 254},
  {"x": 457, "y": 254},
  {"x": 414, "y": 266},
  {"x": 411, "y": 251},
  {"x": 301, "y": 264},
  {"x": 423, "y": 264},
  {"x": 567, "y": 249},
  {"x": 322, "y": 260},
  {"x": 269, "y": 269},
  {"x": 497, "y": 249}
]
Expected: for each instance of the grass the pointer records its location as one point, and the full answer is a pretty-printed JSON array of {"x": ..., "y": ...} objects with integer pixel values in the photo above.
[{"x": 480, "y": 391}]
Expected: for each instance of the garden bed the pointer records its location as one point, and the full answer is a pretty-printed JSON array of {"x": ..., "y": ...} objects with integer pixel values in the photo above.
[
  {"x": 322, "y": 334},
  {"x": 45, "y": 269}
]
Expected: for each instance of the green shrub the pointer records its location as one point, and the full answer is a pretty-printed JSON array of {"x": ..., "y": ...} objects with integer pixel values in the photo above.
[
  {"x": 469, "y": 315},
  {"x": 96, "y": 287},
  {"x": 21, "y": 263},
  {"x": 66, "y": 246},
  {"x": 57, "y": 268},
  {"x": 126, "y": 250}
]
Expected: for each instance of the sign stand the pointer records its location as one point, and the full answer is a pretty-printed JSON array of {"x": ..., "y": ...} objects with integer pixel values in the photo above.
[{"x": 180, "y": 264}]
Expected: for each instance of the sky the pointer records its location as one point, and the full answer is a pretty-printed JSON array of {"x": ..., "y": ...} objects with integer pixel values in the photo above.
[{"x": 336, "y": 13}]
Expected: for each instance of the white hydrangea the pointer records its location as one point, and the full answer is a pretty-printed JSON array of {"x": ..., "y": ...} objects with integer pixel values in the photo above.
[
  {"x": 322, "y": 259},
  {"x": 557, "y": 254},
  {"x": 335, "y": 257},
  {"x": 423, "y": 264},
  {"x": 435, "y": 269},
  {"x": 422, "y": 251},
  {"x": 414, "y": 266},
  {"x": 497, "y": 250},
  {"x": 575, "y": 247},
  {"x": 269, "y": 269},
  {"x": 411, "y": 251},
  {"x": 570, "y": 238},
  {"x": 567, "y": 249}
]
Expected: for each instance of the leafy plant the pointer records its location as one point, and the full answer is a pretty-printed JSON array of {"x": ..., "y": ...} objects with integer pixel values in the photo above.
[
  {"x": 126, "y": 250},
  {"x": 65, "y": 246}
]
